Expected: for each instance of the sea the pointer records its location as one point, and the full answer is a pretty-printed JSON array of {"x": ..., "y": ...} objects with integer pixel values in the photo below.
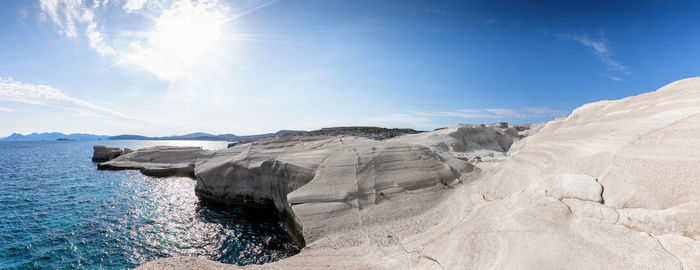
[{"x": 57, "y": 211}]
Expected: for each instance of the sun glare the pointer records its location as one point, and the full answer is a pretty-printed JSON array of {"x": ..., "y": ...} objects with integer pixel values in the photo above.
[
  {"x": 188, "y": 30},
  {"x": 184, "y": 35}
]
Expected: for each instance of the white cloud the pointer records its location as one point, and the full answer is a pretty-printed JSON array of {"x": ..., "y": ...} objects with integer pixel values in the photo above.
[
  {"x": 69, "y": 14},
  {"x": 614, "y": 78},
  {"x": 401, "y": 120},
  {"x": 184, "y": 31},
  {"x": 95, "y": 37},
  {"x": 543, "y": 111},
  {"x": 494, "y": 113},
  {"x": 134, "y": 5},
  {"x": 37, "y": 94},
  {"x": 600, "y": 48},
  {"x": 97, "y": 3},
  {"x": 427, "y": 120},
  {"x": 3, "y": 109},
  {"x": 65, "y": 14}
]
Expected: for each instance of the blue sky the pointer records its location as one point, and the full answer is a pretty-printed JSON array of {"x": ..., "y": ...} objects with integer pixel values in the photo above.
[{"x": 178, "y": 66}]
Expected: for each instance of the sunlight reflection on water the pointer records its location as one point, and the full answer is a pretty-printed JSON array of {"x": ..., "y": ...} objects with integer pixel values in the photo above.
[{"x": 58, "y": 211}]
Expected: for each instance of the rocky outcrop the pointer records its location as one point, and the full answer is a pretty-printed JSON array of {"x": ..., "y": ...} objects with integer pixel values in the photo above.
[
  {"x": 323, "y": 184},
  {"x": 328, "y": 189},
  {"x": 472, "y": 142},
  {"x": 161, "y": 161},
  {"x": 611, "y": 186},
  {"x": 103, "y": 153}
]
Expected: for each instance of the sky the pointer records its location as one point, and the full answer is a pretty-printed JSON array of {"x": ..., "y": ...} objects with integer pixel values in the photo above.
[{"x": 170, "y": 67}]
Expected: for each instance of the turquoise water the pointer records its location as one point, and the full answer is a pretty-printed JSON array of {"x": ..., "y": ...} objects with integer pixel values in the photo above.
[{"x": 58, "y": 211}]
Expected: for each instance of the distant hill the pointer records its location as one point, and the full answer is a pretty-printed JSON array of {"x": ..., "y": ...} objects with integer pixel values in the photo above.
[
  {"x": 369, "y": 132},
  {"x": 130, "y": 137},
  {"x": 191, "y": 136},
  {"x": 377, "y": 133},
  {"x": 200, "y": 136},
  {"x": 53, "y": 136}
]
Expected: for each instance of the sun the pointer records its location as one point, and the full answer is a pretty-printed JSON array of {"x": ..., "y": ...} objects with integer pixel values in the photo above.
[
  {"x": 188, "y": 30},
  {"x": 186, "y": 38}
]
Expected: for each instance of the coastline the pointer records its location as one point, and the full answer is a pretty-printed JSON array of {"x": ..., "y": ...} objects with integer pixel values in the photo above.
[{"x": 412, "y": 200}]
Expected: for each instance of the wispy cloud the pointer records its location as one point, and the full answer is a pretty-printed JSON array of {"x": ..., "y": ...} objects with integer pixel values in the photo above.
[
  {"x": 134, "y": 5},
  {"x": 3, "y": 109},
  {"x": 494, "y": 113},
  {"x": 430, "y": 118},
  {"x": 614, "y": 78},
  {"x": 44, "y": 95},
  {"x": 601, "y": 49},
  {"x": 68, "y": 15},
  {"x": 65, "y": 14},
  {"x": 401, "y": 119},
  {"x": 184, "y": 31}
]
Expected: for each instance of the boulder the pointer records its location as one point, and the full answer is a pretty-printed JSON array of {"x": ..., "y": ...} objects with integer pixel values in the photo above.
[{"x": 103, "y": 153}]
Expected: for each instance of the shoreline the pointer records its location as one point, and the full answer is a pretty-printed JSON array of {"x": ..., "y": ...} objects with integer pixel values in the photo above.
[{"x": 593, "y": 184}]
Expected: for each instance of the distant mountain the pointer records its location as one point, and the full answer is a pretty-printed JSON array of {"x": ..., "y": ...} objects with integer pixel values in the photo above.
[
  {"x": 191, "y": 136},
  {"x": 200, "y": 136},
  {"x": 130, "y": 137},
  {"x": 53, "y": 136}
]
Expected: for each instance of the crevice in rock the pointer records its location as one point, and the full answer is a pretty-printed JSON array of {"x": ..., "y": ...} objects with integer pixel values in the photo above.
[
  {"x": 430, "y": 259},
  {"x": 420, "y": 254},
  {"x": 602, "y": 190},
  {"x": 664, "y": 248}
]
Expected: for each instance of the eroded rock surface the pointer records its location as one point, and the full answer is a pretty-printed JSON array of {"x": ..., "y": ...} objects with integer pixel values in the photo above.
[
  {"x": 472, "y": 142},
  {"x": 325, "y": 185},
  {"x": 159, "y": 161},
  {"x": 611, "y": 186}
]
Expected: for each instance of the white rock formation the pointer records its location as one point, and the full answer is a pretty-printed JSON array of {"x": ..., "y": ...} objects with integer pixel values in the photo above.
[
  {"x": 614, "y": 185},
  {"x": 157, "y": 161},
  {"x": 325, "y": 185},
  {"x": 480, "y": 142}
]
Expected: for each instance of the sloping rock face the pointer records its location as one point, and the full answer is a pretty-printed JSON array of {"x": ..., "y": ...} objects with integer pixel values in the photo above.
[
  {"x": 480, "y": 142},
  {"x": 643, "y": 150},
  {"x": 103, "y": 153}
]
